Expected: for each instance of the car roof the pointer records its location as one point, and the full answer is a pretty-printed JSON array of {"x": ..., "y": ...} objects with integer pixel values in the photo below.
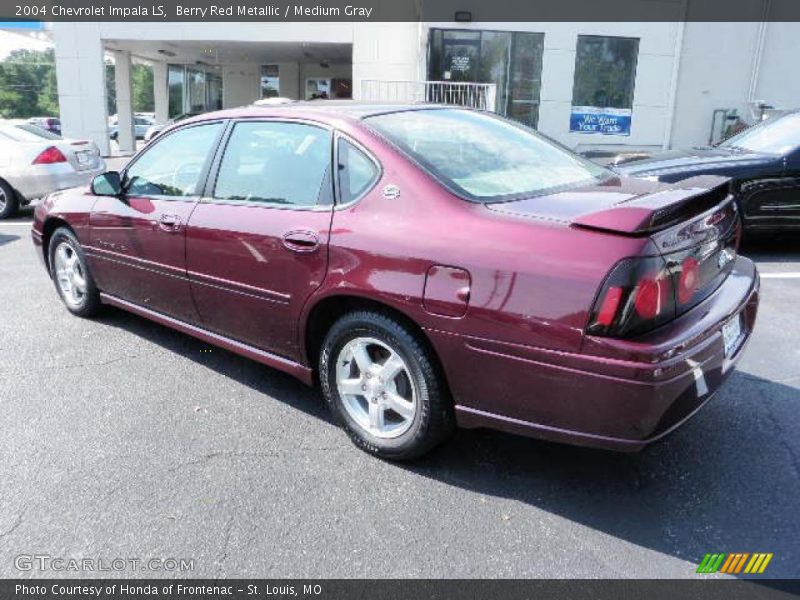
[{"x": 348, "y": 109}]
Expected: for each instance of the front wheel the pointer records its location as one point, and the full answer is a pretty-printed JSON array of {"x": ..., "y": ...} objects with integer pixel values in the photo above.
[
  {"x": 71, "y": 274},
  {"x": 383, "y": 385}
]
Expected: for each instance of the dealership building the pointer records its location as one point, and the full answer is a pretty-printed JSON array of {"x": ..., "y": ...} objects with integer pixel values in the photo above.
[{"x": 592, "y": 86}]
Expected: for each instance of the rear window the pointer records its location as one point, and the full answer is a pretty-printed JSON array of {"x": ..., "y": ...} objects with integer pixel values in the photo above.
[
  {"x": 26, "y": 133},
  {"x": 36, "y": 130},
  {"x": 482, "y": 157}
]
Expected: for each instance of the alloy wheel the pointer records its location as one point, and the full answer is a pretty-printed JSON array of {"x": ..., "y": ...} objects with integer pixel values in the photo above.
[
  {"x": 376, "y": 387},
  {"x": 69, "y": 274}
]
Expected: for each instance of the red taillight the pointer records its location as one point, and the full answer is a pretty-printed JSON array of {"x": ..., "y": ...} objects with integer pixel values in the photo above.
[
  {"x": 689, "y": 279},
  {"x": 651, "y": 297},
  {"x": 49, "y": 156},
  {"x": 636, "y": 297},
  {"x": 608, "y": 309}
]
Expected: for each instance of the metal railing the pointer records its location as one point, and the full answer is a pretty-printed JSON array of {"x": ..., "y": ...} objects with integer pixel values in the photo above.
[{"x": 472, "y": 95}]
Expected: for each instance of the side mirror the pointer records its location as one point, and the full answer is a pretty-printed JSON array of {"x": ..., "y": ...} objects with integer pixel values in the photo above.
[{"x": 107, "y": 184}]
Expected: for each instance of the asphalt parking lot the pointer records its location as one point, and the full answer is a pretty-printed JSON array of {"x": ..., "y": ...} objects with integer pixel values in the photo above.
[{"x": 124, "y": 439}]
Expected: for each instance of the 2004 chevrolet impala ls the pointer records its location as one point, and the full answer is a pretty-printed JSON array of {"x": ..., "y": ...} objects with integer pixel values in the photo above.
[{"x": 427, "y": 265}]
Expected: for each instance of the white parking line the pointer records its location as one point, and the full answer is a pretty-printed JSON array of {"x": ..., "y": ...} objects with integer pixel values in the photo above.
[{"x": 780, "y": 275}]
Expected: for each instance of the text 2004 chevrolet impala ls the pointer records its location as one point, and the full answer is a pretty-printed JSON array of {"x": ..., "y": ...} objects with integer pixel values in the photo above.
[{"x": 429, "y": 266}]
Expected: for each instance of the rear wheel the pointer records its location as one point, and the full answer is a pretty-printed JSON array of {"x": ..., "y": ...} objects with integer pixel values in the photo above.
[
  {"x": 8, "y": 201},
  {"x": 71, "y": 274},
  {"x": 382, "y": 383}
]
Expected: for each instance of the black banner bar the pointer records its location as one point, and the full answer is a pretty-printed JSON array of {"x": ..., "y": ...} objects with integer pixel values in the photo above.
[
  {"x": 400, "y": 10},
  {"x": 340, "y": 589}
]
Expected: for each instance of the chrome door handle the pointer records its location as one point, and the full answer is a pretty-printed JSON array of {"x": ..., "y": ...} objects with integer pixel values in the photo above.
[
  {"x": 302, "y": 241},
  {"x": 169, "y": 222}
]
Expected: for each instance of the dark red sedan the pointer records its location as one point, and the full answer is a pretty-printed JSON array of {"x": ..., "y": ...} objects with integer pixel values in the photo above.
[{"x": 427, "y": 265}]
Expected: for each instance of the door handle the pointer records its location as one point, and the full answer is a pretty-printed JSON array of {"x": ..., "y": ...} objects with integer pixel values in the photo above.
[
  {"x": 303, "y": 241},
  {"x": 169, "y": 222}
]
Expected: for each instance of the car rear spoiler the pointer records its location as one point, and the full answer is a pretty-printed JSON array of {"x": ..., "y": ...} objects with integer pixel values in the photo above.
[{"x": 649, "y": 213}]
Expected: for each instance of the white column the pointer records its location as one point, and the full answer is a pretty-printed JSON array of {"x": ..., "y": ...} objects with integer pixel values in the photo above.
[
  {"x": 161, "y": 92},
  {"x": 80, "y": 70},
  {"x": 122, "y": 82},
  {"x": 386, "y": 52}
]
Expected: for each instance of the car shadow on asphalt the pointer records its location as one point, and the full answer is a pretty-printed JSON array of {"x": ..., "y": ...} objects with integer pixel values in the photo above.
[
  {"x": 247, "y": 372},
  {"x": 6, "y": 239},
  {"x": 727, "y": 481},
  {"x": 23, "y": 215}
]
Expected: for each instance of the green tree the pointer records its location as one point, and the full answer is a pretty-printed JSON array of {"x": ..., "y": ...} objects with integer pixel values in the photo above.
[
  {"x": 28, "y": 84},
  {"x": 142, "y": 88},
  {"x": 143, "y": 99}
]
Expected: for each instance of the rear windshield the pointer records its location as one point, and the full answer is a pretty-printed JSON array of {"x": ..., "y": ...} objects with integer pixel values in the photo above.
[
  {"x": 38, "y": 131},
  {"x": 25, "y": 133},
  {"x": 482, "y": 157},
  {"x": 779, "y": 135}
]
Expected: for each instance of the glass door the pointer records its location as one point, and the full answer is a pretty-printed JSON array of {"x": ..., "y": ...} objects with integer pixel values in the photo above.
[{"x": 511, "y": 60}]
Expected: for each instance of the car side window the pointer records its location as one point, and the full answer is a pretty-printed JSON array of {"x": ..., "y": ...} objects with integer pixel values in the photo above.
[
  {"x": 275, "y": 163},
  {"x": 173, "y": 165},
  {"x": 356, "y": 172}
]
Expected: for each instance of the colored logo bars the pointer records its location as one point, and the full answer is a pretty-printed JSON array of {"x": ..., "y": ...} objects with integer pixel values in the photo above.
[{"x": 734, "y": 562}]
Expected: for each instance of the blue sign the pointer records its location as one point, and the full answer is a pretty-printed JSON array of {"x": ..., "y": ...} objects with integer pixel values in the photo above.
[{"x": 605, "y": 121}]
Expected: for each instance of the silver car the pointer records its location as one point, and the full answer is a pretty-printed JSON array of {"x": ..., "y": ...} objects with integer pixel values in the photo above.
[
  {"x": 140, "y": 127},
  {"x": 35, "y": 162}
]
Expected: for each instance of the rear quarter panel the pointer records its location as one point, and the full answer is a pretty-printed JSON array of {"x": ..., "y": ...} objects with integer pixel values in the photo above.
[{"x": 532, "y": 281}]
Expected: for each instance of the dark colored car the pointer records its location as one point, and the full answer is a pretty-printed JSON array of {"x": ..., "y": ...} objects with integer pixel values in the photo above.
[
  {"x": 763, "y": 162},
  {"x": 428, "y": 266},
  {"x": 51, "y": 124}
]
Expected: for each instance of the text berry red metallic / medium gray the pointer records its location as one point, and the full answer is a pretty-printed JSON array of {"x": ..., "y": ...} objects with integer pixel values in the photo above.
[{"x": 429, "y": 266}]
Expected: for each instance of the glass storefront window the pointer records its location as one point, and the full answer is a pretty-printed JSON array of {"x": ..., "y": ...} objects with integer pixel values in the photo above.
[
  {"x": 197, "y": 90},
  {"x": 270, "y": 81},
  {"x": 318, "y": 89},
  {"x": 605, "y": 71},
  {"x": 176, "y": 87},
  {"x": 512, "y": 60},
  {"x": 193, "y": 90}
]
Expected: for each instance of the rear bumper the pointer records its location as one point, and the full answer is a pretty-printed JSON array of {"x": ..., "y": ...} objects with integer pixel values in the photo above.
[
  {"x": 37, "y": 182},
  {"x": 614, "y": 394}
]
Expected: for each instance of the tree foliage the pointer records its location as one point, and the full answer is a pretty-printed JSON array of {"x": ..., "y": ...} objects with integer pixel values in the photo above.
[
  {"x": 28, "y": 84},
  {"x": 142, "y": 83}
]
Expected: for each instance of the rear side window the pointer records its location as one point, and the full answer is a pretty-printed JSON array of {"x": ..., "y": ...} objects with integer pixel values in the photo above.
[
  {"x": 275, "y": 163},
  {"x": 357, "y": 172},
  {"x": 173, "y": 165}
]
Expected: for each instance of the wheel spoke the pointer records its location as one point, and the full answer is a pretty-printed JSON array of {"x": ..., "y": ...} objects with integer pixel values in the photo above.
[
  {"x": 393, "y": 366},
  {"x": 79, "y": 282},
  {"x": 351, "y": 387},
  {"x": 400, "y": 405},
  {"x": 63, "y": 257},
  {"x": 375, "y": 416},
  {"x": 72, "y": 258},
  {"x": 361, "y": 356}
]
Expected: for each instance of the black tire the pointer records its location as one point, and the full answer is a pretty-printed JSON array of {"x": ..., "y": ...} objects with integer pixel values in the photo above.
[
  {"x": 89, "y": 303},
  {"x": 9, "y": 203},
  {"x": 432, "y": 421}
]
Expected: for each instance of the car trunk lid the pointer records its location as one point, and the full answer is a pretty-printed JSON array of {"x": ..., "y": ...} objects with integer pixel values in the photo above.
[{"x": 693, "y": 232}]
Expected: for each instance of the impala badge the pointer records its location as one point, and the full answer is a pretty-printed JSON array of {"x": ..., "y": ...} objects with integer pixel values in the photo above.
[{"x": 391, "y": 192}]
